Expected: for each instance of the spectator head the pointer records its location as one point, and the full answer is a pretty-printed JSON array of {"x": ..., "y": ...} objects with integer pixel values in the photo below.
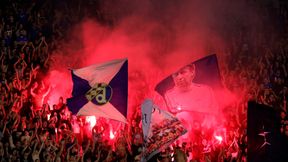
[
  {"x": 45, "y": 124},
  {"x": 286, "y": 128},
  {"x": 133, "y": 123},
  {"x": 22, "y": 56},
  {"x": 61, "y": 100},
  {"x": 27, "y": 153},
  {"x": 184, "y": 144},
  {"x": 54, "y": 107},
  {"x": 26, "y": 133},
  {"x": 282, "y": 114},
  {"x": 1, "y": 148},
  {"x": 285, "y": 90}
]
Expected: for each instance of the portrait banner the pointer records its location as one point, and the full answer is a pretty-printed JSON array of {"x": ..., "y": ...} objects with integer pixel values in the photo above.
[{"x": 192, "y": 88}]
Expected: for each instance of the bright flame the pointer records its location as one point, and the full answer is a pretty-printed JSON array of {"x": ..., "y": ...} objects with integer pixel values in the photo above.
[
  {"x": 112, "y": 136},
  {"x": 219, "y": 138},
  {"x": 91, "y": 120}
]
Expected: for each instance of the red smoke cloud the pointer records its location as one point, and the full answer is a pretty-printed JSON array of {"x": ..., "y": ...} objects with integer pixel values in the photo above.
[{"x": 157, "y": 37}]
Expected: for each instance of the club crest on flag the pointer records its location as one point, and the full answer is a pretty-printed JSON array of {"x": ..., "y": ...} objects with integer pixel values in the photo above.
[{"x": 100, "y": 92}]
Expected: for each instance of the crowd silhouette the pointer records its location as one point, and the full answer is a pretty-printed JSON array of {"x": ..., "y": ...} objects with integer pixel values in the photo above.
[{"x": 33, "y": 130}]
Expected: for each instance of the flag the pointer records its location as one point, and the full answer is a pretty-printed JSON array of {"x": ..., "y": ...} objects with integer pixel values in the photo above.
[
  {"x": 160, "y": 129},
  {"x": 265, "y": 142},
  {"x": 146, "y": 109},
  {"x": 100, "y": 90},
  {"x": 201, "y": 87}
]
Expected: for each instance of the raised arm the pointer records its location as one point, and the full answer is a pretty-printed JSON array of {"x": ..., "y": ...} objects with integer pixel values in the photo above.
[
  {"x": 11, "y": 143},
  {"x": 29, "y": 82},
  {"x": 24, "y": 65},
  {"x": 4, "y": 112},
  {"x": 284, "y": 70},
  {"x": 23, "y": 47},
  {"x": 68, "y": 150},
  {"x": 3, "y": 130},
  {"x": 98, "y": 155},
  {"x": 35, "y": 146},
  {"x": 85, "y": 151},
  {"x": 7, "y": 86},
  {"x": 34, "y": 70},
  {"x": 2, "y": 63},
  {"x": 59, "y": 153},
  {"x": 42, "y": 145},
  {"x": 15, "y": 64},
  {"x": 47, "y": 60},
  {"x": 31, "y": 55},
  {"x": 48, "y": 91},
  {"x": 45, "y": 44},
  {"x": 33, "y": 88},
  {"x": 2, "y": 56},
  {"x": 9, "y": 53}
]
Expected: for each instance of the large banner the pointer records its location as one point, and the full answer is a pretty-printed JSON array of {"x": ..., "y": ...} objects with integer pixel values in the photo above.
[
  {"x": 101, "y": 90},
  {"x": 191, "y": 92},
  {"x": 160, "y": 129},
  {"x": 191, "y": 88}
]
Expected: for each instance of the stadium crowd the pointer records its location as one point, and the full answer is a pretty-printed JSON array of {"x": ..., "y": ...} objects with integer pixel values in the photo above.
[{"x": 33, "y": 130}]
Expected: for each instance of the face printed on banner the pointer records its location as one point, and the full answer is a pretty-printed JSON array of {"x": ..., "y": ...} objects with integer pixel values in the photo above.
[{"x": 184, "y": 77}]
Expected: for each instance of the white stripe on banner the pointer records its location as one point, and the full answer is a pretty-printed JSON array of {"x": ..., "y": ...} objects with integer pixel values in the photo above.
[
  {"x": 106, "y": 111},
  {"x": 100, "y": 73}
]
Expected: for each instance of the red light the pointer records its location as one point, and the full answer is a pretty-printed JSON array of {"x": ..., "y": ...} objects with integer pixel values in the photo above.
[{"x": 219, "y": 138}]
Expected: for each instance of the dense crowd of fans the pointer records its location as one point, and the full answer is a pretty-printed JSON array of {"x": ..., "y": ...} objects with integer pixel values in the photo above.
[{"x": 32, "y": 130}]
